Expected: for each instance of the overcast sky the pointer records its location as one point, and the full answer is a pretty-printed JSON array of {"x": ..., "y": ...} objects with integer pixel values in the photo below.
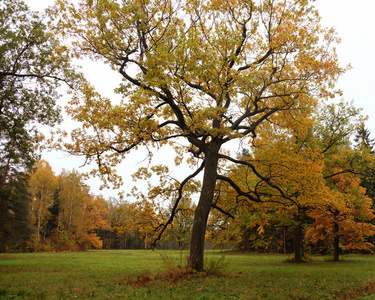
[{"x": 354, "y": 22}]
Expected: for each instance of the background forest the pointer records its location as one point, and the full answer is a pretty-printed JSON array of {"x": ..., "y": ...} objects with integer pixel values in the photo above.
[
  {"x": 301, "y": 181},
  {"x": 42, "y": 211}
]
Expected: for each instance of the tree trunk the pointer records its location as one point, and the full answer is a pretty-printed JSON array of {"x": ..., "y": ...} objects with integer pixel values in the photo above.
[
  {"x": 5, "y": 175},
  {"x": 284, "y": 236},
  {"x": 37, "y": 237},
  {"x": 336, "y": 243},
  {"x": 298, "y": 250},
  {"x": 203, "y": 209}
]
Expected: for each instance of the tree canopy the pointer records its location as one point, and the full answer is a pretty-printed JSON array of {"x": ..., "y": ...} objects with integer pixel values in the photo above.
[
  {"x": 315, "y": 188},
  {"x": 200, "y": 76},
  {"x": 33, "y": 63}
]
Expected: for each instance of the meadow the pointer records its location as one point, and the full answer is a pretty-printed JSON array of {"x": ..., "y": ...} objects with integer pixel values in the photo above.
[{"x": 146, "y": 274}]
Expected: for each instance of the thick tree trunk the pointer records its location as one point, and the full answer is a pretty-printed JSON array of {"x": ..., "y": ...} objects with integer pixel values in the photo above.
[
  {"x": 202, "y": 211},
  {"x": 336, "y": 243}
]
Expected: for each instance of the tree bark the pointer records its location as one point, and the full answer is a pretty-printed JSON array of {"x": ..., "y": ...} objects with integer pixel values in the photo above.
[
  {"x": 336, "y": 243},
  {"x": 298, "y": 250},
  {"x": 284, "y": 240},
  {"x": 196, "y": 259}
]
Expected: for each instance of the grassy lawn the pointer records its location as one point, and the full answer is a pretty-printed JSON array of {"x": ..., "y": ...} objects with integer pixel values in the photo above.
[{"x": 108, "y": 274}]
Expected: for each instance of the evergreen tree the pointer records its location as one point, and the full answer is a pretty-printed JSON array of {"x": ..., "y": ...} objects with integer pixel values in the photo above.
[
  {"x": 367, "y": 145},
  {"x": 14, "y": 213},
  {"x": 362, "y": 138}
]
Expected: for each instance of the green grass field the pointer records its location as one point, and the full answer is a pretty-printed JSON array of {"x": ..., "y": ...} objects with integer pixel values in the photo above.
[{"x": 141, "y": 274}]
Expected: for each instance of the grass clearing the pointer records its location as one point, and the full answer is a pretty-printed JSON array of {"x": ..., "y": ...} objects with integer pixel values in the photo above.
[{"x": 107, "y": 274}]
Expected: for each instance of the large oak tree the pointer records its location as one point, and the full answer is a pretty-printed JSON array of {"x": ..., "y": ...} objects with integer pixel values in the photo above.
[{"x": 200, "y": 76}]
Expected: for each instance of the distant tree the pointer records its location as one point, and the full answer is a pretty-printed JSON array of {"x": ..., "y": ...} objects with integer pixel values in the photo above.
[
  {"x": 335, "y": 127},
  {"x": 15, "y": 226},
  {"x": 345, "y": 222},
  {"x": 143, "y": 217},
  {"x": 33, "y": 63},
  {"x": 362, "y": 138},
  {"x": 54, "y": 209},
  {"x": 42, "y": 185},
  {"x": 122, "y": 235},
  {"x": 73, "y": 194},
  {"x": 182, "y": 224},
  {"x": 80, "y": 213},
  {"x": 95, "y": 220},
  {"x": 366, "y": 145}
]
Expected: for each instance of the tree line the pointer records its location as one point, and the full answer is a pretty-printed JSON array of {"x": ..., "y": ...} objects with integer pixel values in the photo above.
[{"x": 44, "y": 212}]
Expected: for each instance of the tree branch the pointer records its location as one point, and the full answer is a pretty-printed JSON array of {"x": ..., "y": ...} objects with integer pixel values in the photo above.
[
  {"x": 174, "y": 209},
  {"x": 252, "y": 167},
  {"x": 222, "y": 211},
  {"x": 238, "y": 189}
]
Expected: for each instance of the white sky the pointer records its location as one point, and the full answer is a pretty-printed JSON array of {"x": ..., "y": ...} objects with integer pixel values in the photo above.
[
  {"x": 355, "y": 25},
  {"x": 354, "y": 22}
]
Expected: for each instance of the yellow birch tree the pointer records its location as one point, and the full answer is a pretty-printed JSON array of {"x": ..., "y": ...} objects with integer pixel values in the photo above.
[{"x": 42, "y": 185}]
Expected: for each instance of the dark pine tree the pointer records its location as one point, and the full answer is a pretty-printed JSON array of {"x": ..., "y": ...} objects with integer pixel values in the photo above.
[{"x": 14, "y": 213}]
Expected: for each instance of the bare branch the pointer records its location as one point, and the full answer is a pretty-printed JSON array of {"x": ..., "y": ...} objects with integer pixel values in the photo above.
[
  {"x": 174, "y": 209},
  {"x": 222, "y": 211}
]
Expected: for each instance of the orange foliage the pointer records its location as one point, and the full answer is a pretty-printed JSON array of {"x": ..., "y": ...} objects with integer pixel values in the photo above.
[{"x": 351, "y": 210}]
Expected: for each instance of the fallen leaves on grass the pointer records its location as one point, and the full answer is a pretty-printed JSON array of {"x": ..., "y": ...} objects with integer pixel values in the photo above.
[
  {"x": 173, "y": 276},
  {"x": 362, "y": 291}
]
